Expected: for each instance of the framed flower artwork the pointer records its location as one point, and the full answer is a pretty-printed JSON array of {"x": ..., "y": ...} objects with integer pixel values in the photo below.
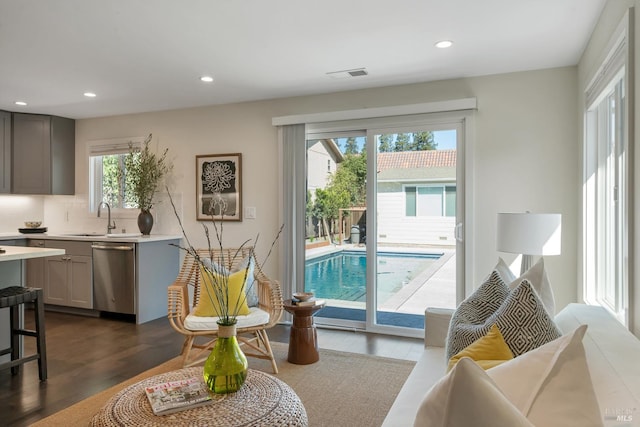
[{"x": 219, "y": 187}]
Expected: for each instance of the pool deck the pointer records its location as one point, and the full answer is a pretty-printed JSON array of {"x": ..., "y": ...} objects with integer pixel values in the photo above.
[{"x": 434, "y": 287}]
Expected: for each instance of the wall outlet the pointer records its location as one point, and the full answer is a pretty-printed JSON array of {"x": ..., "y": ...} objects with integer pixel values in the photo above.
[{"x": 250, "y": 212}]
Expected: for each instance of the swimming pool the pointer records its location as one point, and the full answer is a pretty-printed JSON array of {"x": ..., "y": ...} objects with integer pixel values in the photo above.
[{"x": 342, "y": 275}]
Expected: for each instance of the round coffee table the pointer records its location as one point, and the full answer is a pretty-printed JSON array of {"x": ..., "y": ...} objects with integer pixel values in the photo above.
[{"x": 263, "y": 400}]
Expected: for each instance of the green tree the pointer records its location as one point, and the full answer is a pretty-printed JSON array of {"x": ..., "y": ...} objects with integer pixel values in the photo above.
[
  {"x": 326, "y": 207},
  {"x": 351, "y": 176},
  {"x": 309, "y": 208},
  {"x": 110, "y": 184},
  {"x": 386, "y": 142},
  {"x": 346, "y": 188},
  {"x": 403, "y": 142},
  {"x": 351, "y": 146},
  {"x": 423, "y": 141}
]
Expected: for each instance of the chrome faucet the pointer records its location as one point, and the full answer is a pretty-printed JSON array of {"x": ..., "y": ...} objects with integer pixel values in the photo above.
[{"x": 109, "y": 225}]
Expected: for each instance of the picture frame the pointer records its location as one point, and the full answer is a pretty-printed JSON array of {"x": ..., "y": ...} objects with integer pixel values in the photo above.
[{"x": 219, "y": 187}]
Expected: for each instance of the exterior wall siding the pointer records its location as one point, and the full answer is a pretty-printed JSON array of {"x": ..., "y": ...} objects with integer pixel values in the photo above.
[{"x": 394, "y": 227}]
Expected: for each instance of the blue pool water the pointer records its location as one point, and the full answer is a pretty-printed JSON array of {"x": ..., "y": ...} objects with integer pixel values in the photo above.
[{"x": 342, "y": 275}]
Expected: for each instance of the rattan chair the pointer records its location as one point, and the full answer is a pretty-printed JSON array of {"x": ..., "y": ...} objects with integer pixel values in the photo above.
[{"x": 198, "y": 343}]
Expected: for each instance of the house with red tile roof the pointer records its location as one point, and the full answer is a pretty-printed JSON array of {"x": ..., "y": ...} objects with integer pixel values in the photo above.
[{"x": 417, "y": 197}]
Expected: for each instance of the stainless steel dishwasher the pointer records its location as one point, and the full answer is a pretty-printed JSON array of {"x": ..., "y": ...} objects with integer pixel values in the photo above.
[{"x": 114, "y": 277}]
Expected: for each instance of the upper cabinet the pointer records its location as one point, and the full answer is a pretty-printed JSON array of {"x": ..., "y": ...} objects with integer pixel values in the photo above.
[
  {"x": 43, "y": 154},
  {"x": 5, "y": 152}
]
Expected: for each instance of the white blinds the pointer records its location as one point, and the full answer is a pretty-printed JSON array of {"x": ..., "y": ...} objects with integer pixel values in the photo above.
[{"x": 105, "y": 147}]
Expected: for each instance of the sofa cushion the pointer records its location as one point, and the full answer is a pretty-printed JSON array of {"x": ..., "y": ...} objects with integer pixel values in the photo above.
[
  {"x": 505, "y": 272},
  {"x": 522, "y": 318},
  {"x": 255, "y": 317},
  {"x": 537, "y": 276},
  {"x": 524, "y": 322},
  {"x": 467, "y": 396},
  {"x": 487, "y": 351},
  {"x": 468, "y": 322},
  {"x": 551, "y": 385}
]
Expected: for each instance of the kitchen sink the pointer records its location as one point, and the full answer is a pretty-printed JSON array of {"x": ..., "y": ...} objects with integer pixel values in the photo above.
[{"x": 121, "y": 235}]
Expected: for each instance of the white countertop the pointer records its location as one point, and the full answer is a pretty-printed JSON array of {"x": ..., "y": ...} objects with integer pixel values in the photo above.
[
  {"x": 20, "y": 252},
  {"x": 90, "y": 237}
]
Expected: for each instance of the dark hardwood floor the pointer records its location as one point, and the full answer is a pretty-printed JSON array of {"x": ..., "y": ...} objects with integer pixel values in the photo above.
[{"x": 87, "y": 355}]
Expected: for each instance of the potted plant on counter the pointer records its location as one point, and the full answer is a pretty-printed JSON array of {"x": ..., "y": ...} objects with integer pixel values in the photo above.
[{"x": 143, "y": 172}]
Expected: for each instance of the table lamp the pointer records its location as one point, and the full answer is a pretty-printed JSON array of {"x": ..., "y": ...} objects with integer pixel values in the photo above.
[{"x": 529, "y": 234}]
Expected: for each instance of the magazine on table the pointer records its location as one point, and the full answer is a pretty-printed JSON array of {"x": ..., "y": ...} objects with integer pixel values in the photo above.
[{"x": 173, "y": 396}]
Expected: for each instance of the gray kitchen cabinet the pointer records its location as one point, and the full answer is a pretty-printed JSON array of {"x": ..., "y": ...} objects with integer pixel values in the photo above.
[
  {"x": 5, "y": 152},
  {"x": 68, "y": 278},
  {"x": 43, "y": 154}
]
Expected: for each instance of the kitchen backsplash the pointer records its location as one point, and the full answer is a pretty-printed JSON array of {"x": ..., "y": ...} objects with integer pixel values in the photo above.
[
  {"x": 70, "y": 214},
  {"x": 15, "y": 210}
]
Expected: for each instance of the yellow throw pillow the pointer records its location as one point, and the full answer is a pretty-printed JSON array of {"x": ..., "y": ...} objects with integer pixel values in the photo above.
[
  {"x": 487, "y": 351},
  {"x": 208, "y": 305}
]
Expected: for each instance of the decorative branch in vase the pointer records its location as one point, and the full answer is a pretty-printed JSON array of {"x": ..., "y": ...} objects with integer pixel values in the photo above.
[
  {"x": 143, "y": 171},
  {"x": 227, "y": 280}
]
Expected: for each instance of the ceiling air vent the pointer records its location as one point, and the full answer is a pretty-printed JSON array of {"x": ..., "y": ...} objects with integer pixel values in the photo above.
[{"x": 356, "y": 72}]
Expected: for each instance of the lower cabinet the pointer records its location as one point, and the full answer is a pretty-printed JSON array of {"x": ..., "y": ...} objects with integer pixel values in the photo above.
[{"x": 68, "y": 279}]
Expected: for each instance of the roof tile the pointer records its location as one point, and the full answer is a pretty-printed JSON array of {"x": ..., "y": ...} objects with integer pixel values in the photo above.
[{"x": 417, "y": 159}]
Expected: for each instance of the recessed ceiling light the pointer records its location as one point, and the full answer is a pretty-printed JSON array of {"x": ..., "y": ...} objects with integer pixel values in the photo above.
[
  {"x": 90, "y": 94},
  {"x": 443, "y": 44},
  {"x": 206, "y": 79},
  {"x": 22, "y": 103}
]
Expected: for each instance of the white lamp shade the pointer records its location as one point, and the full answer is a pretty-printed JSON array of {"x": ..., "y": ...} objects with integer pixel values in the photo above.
[{"x": 529, "y": 233}]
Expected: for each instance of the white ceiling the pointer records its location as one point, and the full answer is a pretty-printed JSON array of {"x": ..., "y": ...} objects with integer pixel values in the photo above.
[{"x": 148, "y": 55}]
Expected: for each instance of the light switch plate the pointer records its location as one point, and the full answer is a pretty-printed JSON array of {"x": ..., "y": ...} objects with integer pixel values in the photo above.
[{"x": 250, "y": 212}]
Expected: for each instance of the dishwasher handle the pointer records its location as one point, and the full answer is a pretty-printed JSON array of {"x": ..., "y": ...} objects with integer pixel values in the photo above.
[{"x": 112, "y": 248}]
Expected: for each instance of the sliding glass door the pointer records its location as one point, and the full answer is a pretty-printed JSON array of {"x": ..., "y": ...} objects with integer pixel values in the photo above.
[
  {"x": 413, "y": 247},
  {"x": 384, "y": 219}
]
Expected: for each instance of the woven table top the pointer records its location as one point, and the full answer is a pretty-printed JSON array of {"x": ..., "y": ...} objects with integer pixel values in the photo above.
[{"x": 263, "y": 400}]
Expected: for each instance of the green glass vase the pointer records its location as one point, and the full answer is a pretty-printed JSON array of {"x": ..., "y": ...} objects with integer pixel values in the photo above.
[{"x": 226, "y": 367}]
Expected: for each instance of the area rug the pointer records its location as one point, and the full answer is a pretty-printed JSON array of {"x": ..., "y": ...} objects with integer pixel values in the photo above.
[{"x": 341, "y": 389}]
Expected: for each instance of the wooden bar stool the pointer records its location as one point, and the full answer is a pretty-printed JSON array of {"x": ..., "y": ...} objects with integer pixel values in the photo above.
[{"x": 12, "y": 297}]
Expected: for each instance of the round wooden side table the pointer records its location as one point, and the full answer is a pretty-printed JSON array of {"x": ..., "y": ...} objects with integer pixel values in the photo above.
[
  {"x": 263, "y": 400},
  {"x": 303, "y": 339}
]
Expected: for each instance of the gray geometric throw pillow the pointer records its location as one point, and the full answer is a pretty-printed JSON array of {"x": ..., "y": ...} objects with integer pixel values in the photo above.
[
  {"x": 523, "y": 320},
  {"x": 468, "y": 322}
]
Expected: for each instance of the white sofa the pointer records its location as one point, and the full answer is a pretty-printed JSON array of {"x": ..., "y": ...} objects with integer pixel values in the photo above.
[{"x": 613, "y": 356}]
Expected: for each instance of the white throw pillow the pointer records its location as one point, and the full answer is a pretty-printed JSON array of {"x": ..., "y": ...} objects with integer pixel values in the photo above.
[
  {"x": 466, "y": 396},
  {"x": 551, "y": 385},
  {"x": 505, "y": 272},
  {"x": 537, "y": 275}
]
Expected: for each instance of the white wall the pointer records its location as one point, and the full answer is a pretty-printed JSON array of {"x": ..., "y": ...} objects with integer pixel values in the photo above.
[{"x": 526, "y": 154}]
